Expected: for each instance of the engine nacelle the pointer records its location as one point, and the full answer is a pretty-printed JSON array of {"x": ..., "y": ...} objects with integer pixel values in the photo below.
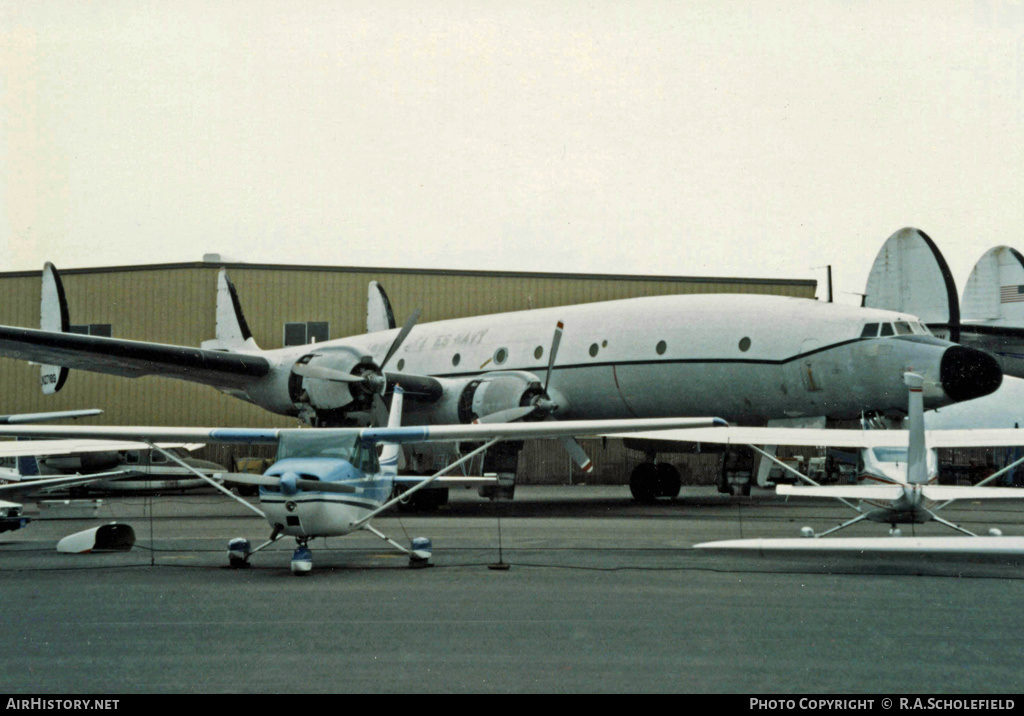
[
  {"x": 323, "y": 395},
  {"x": 504, "y": 390},
  {"x": 463, "y": 400}
]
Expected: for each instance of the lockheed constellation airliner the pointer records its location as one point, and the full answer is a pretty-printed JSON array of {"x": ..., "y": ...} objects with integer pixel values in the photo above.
[{"x": 751, "y": 359}]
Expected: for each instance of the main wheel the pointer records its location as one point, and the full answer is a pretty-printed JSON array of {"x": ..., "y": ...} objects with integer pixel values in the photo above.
[
  {"x": 643, "y": 482},
  {"x": 668, "y": 480}
]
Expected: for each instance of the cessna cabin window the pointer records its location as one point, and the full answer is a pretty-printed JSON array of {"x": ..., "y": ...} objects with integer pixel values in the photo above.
[{"x": 870, "y": 330}]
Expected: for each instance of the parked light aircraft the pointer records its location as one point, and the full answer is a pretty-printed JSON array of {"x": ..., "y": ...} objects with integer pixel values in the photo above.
[
  {"x": 138, "y": 469},
  {"x": 10, "y": 512},
  {"x": 748, "y": 358},
  {"x": 896, "y": 482},
  {"x": 16, "y": 484},
  {"x": 331, "y": 481}
]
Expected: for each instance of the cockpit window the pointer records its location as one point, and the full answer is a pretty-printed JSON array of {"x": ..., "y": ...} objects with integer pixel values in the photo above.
[
  {"x": 870, "y": 330},
  {"x": 888, "y": 454},
  {"x": 920, "y": 328},
  {"x": 886, "y": 329},
  {"x": 902, "y": 328},
  {"x": 307, "y": 443}
]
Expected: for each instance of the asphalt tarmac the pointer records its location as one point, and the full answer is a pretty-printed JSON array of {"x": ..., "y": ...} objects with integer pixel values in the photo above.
[{"x": 601, "y": 595}]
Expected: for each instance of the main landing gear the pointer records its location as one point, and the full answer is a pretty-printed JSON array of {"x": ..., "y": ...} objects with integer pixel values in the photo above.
[
  {"x": 651, "y": 480},
  {"x": 240, "y": 551}
]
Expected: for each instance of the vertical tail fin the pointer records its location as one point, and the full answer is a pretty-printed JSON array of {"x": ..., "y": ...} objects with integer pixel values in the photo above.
[
  {"x": 917, "y": 451},
  {"x": 232, "y": 329},
  {"x": 53, "y": 316},
  {"x": 911, "y": 275},
  {"x": 995, "y": 289},
  {"x": 379, "y": 316},
  {"x": 28, "y": 466},
  {"x": 390, "y": 454}
]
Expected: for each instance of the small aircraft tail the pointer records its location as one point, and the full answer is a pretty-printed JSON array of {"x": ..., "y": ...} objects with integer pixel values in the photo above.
[
  {"x": 995, "y": 288},
  {"x": 53, "y": 316},
  {"x": 910, "y": 275},
  {"x": 28, "y": 466},
  {"x": 232, "y": 329}
]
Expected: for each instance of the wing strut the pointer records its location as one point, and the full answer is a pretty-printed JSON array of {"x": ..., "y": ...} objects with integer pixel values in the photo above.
[
  {"x": 361, "y": 524},
  {"x": 804, "y": 478},
  {"x": 987, "y": 480},
  {"x": 949, "y": 524},
  {"x": 220, "y": 487},
  {"x": 846, "y": 524}
]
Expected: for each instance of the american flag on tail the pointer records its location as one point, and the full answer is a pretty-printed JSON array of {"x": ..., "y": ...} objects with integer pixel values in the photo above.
[{"x": 1011, "y": 294}]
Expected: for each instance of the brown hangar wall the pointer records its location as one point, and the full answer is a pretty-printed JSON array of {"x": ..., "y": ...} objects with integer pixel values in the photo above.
[{"x": 174, "y": 303}]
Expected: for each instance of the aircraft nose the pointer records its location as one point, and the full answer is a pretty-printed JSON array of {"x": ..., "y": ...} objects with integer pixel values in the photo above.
[{"x": 968, "y": 373}]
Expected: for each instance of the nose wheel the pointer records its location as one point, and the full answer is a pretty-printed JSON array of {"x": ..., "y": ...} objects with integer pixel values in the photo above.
[{"x": 302, "y": 558}]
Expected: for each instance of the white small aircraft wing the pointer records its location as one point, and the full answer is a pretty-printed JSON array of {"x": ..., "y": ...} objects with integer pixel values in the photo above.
[
  {"x": 46, "y": 417},
  {"x": 50, "y": 448},
  {"x": 870, "y": 546},
  {"x": 20, "y": 490},
  {"x": 990, "y": 437},
  {"x": 849, "y": 492},
  {"x": 817, "y": 437},
  {"x": 942, "y": 493},
  {"x": 812, "y": 437},
  {"x": 406, "y": 434},
  {"x": 527, "y": 431}
]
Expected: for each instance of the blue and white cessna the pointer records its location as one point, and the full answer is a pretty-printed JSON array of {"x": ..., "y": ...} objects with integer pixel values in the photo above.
[{"x": 330, "y": 481}]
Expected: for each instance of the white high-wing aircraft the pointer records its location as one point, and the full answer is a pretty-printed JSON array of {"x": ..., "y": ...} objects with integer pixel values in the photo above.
[
  {"x": 899, "y": 466},
  {"x": 749, "y": 358},
  {"x": 16, "y": 484},
  {"x": 330, "y": 481}
]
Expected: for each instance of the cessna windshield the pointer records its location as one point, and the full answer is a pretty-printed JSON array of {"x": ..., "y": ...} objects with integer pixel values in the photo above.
[{"x": 308, "y": 444}]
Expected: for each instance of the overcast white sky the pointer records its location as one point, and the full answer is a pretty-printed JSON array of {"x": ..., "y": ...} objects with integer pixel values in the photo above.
[{"x": 685, "y": 138}]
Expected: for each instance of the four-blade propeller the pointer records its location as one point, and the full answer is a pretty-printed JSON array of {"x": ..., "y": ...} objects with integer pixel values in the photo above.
[{"x": 373, "y": 379}]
